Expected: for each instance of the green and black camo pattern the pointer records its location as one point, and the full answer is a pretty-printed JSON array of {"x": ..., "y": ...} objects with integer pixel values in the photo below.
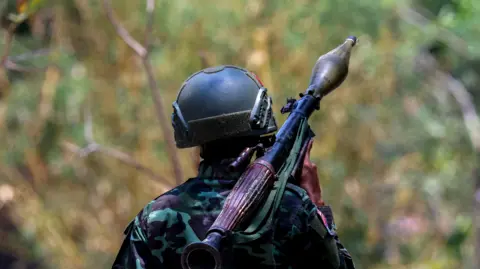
[{"x": 156, "y": 237}]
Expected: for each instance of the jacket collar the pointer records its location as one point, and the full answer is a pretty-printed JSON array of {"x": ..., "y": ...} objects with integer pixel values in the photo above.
[{"x": 218, "y": 169}]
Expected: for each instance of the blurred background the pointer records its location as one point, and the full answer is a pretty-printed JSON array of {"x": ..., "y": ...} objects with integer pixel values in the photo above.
[{"x": 85, "y": 134}]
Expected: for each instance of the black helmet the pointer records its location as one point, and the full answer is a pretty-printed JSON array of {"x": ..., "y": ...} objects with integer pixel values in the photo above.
[{"x": 221, "y": 102}]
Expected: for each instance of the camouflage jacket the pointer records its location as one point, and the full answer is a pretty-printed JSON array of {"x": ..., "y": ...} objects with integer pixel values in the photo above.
[{"x": 156, "y": 237}]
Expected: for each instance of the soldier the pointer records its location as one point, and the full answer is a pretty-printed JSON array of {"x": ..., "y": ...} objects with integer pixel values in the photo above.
[{"x": 209, "y": 112}]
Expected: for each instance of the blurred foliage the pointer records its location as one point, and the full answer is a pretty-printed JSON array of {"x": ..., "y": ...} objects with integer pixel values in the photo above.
[{"x": 392, "y": 149}]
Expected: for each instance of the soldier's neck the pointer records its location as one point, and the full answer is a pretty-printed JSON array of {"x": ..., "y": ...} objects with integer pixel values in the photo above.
[
  {"x": 218, "y": 155},
  {"x": 218, "y": 169},
  {"x": 226, "y": 149}
]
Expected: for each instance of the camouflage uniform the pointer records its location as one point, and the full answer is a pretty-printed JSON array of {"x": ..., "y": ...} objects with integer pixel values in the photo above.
[{"x": 158, "y": 234}]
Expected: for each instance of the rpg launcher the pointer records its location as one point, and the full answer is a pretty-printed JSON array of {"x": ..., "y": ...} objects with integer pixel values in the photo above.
[{"x": 257, "y": 181}]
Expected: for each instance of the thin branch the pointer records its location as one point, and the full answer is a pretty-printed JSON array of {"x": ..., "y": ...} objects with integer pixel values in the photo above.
[
  {"x": 464, "y": 100},
  {"x": 93, "y": 147},
  {"x": 170, "y": 143},
  {"x": 8, "y": 42},
  {"x": 9, "y": 62},
  {"x": 29, "y": 55},
  {"x": 10, "y": 65},
  {"x": 203, "y": 59},
  {"x": 116, "y": 154},
  {"x": 149, "y": 28},
  {"x": 88, "y": 130},
  {"x": 143, "y": 53},
  {"x": 122, "y": 32},
  {"x": 127, "y": 159}
]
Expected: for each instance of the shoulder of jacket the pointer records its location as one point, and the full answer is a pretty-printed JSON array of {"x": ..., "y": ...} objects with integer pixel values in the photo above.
[{"x": 129, "y": 227}]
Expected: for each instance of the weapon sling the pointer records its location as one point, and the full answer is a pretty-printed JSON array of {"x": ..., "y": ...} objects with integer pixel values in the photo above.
[{"x": 262, "y": 220}]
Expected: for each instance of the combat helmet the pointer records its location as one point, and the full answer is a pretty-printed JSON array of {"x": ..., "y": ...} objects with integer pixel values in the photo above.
[{"x": 221, "y": 102}]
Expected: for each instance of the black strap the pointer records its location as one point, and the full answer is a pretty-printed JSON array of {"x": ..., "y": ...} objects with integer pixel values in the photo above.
[{"x": 327, "y": 212}]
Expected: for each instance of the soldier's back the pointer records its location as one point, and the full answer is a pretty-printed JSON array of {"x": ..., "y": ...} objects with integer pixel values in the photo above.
[{"x": 184, "y": 214}]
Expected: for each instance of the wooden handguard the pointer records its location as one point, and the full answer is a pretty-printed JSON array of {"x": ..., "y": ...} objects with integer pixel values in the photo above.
[{"x": 246, "y": 196}]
